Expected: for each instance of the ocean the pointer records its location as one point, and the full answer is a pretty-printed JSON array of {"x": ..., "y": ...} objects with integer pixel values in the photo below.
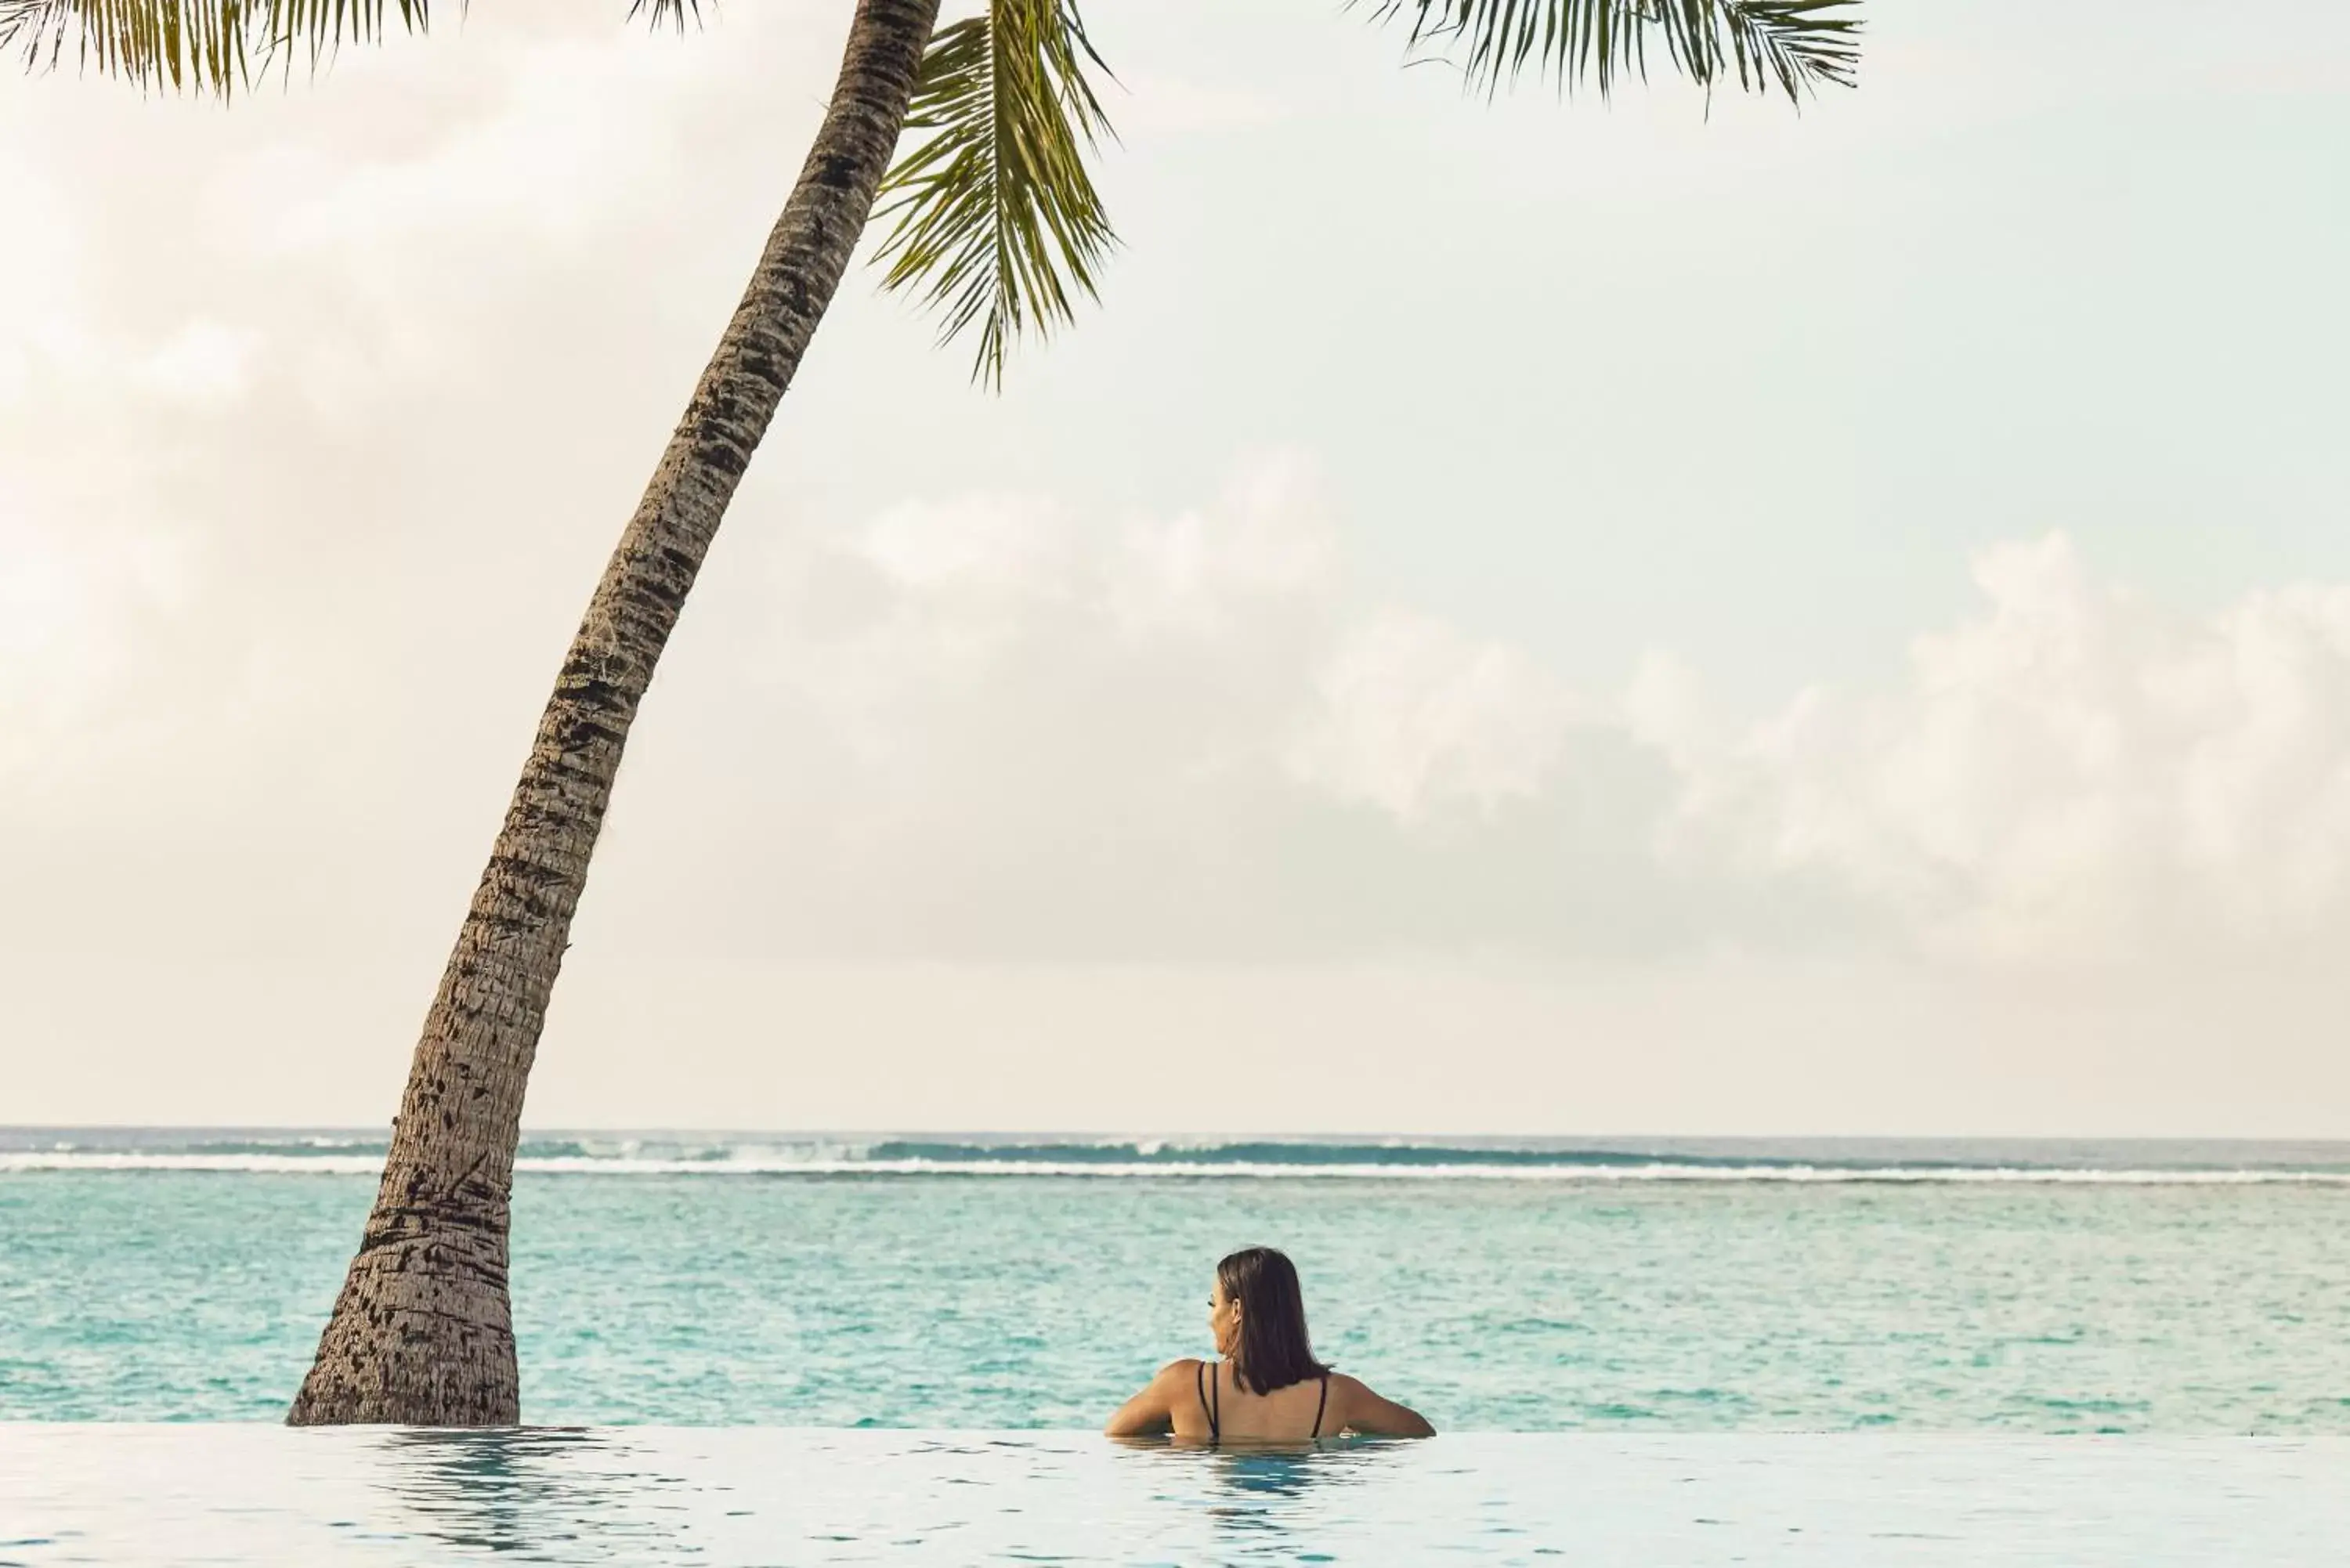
[{"x": 999, "y": 1284}]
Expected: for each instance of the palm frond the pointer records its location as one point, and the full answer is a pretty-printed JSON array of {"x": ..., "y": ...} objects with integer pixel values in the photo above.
[
  {"x": 667, "y": 12},
  {"x": 216, "y": 45},
  {"x": 996, "y": 221},
  {"x": 1791, "y": 44},
  {"x": 206, "y": 46}
]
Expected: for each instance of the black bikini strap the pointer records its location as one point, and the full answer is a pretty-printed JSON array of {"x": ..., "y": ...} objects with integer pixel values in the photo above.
[
  {"x": 1321, "y": 1405},
  {"x": 1203, "y": 1382}
]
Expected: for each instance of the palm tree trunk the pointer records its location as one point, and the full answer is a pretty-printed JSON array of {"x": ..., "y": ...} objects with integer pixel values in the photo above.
[{"x": 422, "y": 1331}]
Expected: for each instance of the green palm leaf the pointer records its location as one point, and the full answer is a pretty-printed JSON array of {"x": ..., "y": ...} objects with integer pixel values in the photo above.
[
  {"x": 1791, "y": 44},
  {"x": 996, "y": 220},
  {"x": 211, "y": 46}
]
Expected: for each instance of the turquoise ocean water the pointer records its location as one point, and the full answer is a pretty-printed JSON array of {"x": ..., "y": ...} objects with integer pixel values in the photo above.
[{"x": 1671, "y": 1287}]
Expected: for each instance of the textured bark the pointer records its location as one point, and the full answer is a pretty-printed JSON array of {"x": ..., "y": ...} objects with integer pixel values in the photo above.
[{"x": 422, "y": 1331}]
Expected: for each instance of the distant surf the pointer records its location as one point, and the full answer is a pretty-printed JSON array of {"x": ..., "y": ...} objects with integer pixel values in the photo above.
[{"x": 2132, "y": 1162}]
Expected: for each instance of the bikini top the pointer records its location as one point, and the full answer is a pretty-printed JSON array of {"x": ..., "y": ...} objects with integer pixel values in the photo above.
[{"x": 1203, "y": 1379}]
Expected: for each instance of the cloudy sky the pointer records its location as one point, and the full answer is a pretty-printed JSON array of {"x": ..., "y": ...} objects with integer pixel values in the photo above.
[{"x": 1528, "y": 616}]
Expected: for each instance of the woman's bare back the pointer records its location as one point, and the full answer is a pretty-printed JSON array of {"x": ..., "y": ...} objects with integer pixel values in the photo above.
[{"x": 1203, "y": 1402}]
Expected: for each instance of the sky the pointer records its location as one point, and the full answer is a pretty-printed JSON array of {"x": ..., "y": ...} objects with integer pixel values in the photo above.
[{"x": 1519, "y": 617}]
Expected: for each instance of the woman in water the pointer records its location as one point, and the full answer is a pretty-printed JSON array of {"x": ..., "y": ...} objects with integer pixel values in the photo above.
[{"x": 1268, "y": 1388}]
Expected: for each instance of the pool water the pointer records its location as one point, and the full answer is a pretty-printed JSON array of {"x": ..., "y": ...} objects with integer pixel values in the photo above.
[{"x": 131, "y": 1495}]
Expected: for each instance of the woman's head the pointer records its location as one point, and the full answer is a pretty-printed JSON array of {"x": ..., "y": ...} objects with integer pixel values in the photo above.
[{"x": 1258, "y": 1316}]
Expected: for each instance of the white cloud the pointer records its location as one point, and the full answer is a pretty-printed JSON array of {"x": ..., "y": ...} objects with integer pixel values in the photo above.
[
  {"x": 58, "y": 366},
  {"x": 75, "y": 611},
  {"x": 1011, "y": 598},
  {"x": 205, "y": 362},
  {"x": 2073, "y": 773},
  {"x": 2069, "y": 774},
  {"x": 529, "y": 148},
  {"x": 38, "y": 264},
  {"x": 999, "y": 726},
  {"x": 1268, "y": 541},
  {"x": 1221, "y": 636},
  {"x": 1415, "y": 715}
]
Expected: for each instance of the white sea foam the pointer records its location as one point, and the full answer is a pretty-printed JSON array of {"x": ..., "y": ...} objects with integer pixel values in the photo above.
[{"x": 773, "y": 1162}]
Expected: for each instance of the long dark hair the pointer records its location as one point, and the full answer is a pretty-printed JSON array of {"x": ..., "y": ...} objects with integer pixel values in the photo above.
[{"x": 1274, "y": 1351}]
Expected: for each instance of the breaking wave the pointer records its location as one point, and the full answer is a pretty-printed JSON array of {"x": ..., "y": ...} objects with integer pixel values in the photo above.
[{"x": 1592, "y": 1161}]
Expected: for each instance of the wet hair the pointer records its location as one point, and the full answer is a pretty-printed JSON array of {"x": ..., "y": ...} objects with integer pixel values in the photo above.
[{"x": 1274, "y": 1351}]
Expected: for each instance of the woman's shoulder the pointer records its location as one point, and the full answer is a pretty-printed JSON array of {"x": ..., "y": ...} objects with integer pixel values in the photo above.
[
  {"x": 1357, "y": 1406},
  {"x": 1183, "y": 1368}
]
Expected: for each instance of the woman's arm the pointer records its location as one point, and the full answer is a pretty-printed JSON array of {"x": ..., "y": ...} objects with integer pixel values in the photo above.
[
  {"x": 1151, "y": 1412},
  {"x": 1357, "y": 1409}
]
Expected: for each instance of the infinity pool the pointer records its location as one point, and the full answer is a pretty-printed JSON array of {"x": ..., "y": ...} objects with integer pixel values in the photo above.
[{"x": 718, "y": 1497}]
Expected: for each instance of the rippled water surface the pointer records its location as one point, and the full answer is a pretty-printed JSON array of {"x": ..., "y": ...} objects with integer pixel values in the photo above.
[{"x": 180, "y": 1495}]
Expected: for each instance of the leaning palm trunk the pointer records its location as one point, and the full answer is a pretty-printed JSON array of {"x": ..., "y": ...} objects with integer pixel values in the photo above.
[{"x": 422, "y": 1331}]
